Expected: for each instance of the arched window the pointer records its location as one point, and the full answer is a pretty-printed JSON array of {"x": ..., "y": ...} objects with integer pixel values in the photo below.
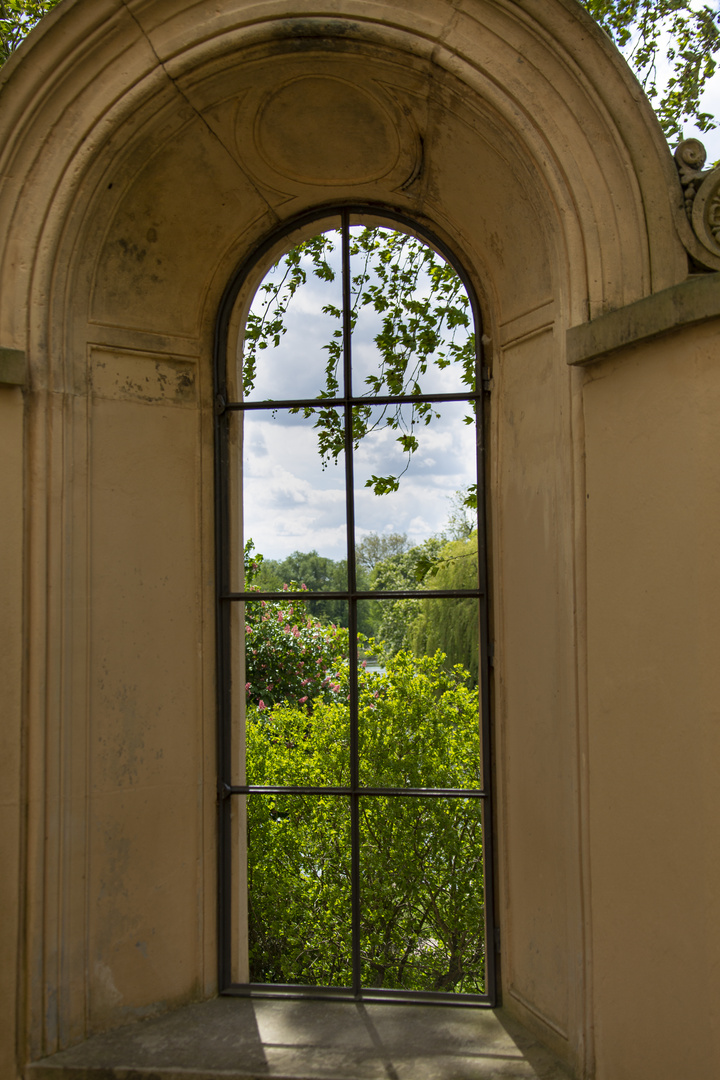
[{"x": 353, "y": 736}]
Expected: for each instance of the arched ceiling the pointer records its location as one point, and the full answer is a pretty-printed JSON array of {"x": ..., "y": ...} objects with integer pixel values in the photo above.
[{"x": 147, "y": 143}]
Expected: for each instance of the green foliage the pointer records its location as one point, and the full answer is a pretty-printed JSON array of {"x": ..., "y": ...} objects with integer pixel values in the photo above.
[
  {"x": 264, "y": 330},
  {"x": 17, "y": 18},
  {"x": 316, "y": 573},
  {"x": 426, "y": 321},
  {"x": 394, "y": 618},
  {"x": 451, "y": 626},
  {"x": 375, "y": 547},
  {"x": 422, "y": 922},
  {"x": 289, "y": 655},
  {"x": 462, "y": 522},
  {"x": 638, "y": 27}
]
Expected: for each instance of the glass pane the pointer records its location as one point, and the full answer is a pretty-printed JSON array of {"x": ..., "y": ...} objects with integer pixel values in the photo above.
[
  {"x": 293, "y": 502},
  {"x": 401, "y": 490},
  {"x": 299, "y": 909},
  {"x": 296, "y": 691},
  {"x": 418, "y": 704},
  {"x": 408, "y": 337},
  {"x": 293, "y": 337},
  {"x": 421, "y": 894}
]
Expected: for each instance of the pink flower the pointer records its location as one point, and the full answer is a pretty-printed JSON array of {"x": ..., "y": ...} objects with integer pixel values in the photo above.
[
  {"x": 261, "y": 704},
  {"x": 303, "y": 700},
  {"x": 247, "y": 685}
]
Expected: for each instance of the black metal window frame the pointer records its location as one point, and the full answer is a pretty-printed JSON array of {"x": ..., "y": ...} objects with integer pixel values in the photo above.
[{"x": 346, "y": 216}]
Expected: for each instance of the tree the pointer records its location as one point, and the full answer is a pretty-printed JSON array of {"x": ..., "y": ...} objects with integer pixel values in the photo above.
[
  {"x": 422, "y": 918},
  {"x": 650, "y": 33},
  {"x": 316, "y": 573},
  {"x": 450, "y": 626},
  {"x": 375, "y": 547},
  {"x": 290, "y": 656},
  {"x": 640, "y": 29},
  {"x": 395, "y": 618}
]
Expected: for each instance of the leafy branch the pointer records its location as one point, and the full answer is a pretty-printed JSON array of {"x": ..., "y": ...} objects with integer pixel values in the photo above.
[
  {"x": 17, "y": 18},
  {"x": 641, "y": 28},
  {"x": 426, "y": 322}
]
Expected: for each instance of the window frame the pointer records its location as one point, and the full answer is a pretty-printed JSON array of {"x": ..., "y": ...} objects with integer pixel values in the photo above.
[{"x": 344, "y": 215}]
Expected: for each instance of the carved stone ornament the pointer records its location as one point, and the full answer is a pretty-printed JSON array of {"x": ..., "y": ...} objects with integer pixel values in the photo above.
[{"x": 702, "y": 193}]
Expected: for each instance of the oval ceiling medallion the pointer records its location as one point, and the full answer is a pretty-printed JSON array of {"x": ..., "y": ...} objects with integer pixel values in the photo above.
[{"x": 320, "y": 129}]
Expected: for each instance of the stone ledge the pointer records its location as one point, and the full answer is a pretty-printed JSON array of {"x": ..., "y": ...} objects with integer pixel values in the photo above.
[
  {"x": 285, "y": 1039},
  {"x": 13, "y": 367},
  {"x": 692, "y": 301}
]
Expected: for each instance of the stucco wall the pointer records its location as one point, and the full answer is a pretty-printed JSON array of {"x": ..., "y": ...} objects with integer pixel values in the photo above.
[{"x": 652, "y": 426}]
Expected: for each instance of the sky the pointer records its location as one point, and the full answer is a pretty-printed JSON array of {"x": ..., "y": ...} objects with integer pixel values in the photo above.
[
  {"x": 293, "y": 501},
  {"x": 711, "y": 139}
]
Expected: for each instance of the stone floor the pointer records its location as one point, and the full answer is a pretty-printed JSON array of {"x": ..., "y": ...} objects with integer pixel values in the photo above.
[{"x": 274, "y": 1039}]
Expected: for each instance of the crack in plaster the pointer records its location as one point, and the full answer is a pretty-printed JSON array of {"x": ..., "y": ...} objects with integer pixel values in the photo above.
[{"x": 198, "y": 114}]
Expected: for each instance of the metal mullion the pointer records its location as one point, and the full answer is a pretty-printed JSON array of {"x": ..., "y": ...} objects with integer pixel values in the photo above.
[
  {"x": 352, "y": 606},
  {"x": 273, "y": 405},
  {"x": 309, "y": 789},
  {"x": 386, "y": 594}
]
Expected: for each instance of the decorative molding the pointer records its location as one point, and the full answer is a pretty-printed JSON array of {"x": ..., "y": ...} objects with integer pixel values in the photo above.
[
  {"x": 695, "y": 300},
  {"x": 701, "y": 188},
  {"x": 329, "y": 124},
  {"x": 13, "y": 367}
]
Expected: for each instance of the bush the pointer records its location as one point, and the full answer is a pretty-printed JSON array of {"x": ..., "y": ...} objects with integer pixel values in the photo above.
[
  {"x": 422, "y": 923},
  {"x": 290, "y": 656}
]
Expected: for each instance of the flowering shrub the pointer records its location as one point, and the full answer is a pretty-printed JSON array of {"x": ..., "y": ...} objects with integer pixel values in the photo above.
[{"x": 290, "y": 656}]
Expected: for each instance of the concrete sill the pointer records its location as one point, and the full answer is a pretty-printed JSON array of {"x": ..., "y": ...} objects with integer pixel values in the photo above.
[{"x": 275, "y": 1039}]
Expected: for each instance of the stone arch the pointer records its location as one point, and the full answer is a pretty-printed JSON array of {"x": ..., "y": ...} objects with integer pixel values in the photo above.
[{"x": 148, "y": 148}]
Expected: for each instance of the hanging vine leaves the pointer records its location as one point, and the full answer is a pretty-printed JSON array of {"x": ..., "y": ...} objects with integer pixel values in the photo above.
[{"x": 425, "y": 322}]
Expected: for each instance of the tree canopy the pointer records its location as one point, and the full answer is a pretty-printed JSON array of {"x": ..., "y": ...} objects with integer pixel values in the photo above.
[
  {"x": 422, "y": 898},
  {"x": 654, "y": 35}
]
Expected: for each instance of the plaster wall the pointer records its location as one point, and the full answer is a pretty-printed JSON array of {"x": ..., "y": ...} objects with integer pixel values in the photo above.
[{"x": 652, "y": 427}]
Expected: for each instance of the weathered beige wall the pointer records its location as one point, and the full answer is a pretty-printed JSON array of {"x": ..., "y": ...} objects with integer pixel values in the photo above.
[
  {"x": 11, "y": 715},
  {"x": 145, "y": 737},
  {"x": 652, "y": 426},
  {"x": 536, "y": 700}
]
